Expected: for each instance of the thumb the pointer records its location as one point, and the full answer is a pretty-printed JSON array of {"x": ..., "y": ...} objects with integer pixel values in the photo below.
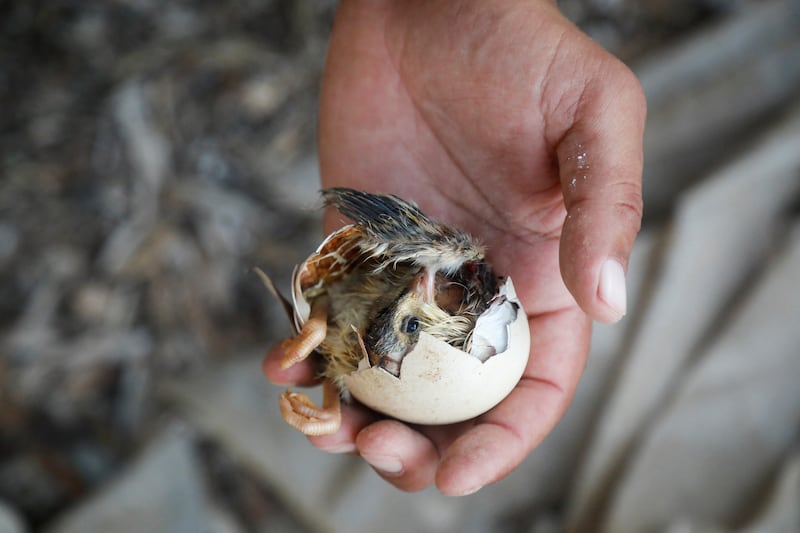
[{"x": 600, "y": 168}]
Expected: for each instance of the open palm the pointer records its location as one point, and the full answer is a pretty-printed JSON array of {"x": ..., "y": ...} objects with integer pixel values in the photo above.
[{"x": 503, "y": 119}]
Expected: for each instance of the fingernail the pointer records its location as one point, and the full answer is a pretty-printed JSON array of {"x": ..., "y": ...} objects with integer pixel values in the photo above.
[
  {"x": 471, "y": 491},
  {"x": 611, "y": 288},
  {"x": 386, "y": 464},
  {"x": 345, "y": 447}
]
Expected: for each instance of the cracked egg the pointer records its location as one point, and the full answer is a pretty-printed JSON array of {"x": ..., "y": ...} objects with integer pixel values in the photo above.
[
  {"x": 441, "y": 384},
  {"x": 403, "y": 314}
]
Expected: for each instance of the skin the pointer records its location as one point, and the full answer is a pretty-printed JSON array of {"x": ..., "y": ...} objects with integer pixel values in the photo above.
[{"x": 502, "y": 118}]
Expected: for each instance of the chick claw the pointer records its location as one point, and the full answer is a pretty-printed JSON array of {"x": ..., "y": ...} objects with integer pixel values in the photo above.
[{"x": 300, "y": 412}]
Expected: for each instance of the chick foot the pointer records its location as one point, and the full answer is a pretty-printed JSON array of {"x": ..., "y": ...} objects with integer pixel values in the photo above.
[
  {"x": 300, "y": 412},
  {"x": 298, "y": 348}
]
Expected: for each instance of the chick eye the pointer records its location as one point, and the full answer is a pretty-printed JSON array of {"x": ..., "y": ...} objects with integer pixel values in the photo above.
[{"x": 410, "y": 324}]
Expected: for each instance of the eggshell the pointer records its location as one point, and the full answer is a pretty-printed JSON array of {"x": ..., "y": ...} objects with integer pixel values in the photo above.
[{"x": 440, "y": 384}]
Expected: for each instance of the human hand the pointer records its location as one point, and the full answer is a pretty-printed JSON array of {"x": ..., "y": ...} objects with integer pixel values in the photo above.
[{"x": 503, "y": 119}]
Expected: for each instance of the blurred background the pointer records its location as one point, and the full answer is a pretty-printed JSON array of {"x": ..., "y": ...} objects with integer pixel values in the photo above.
[{"x": 152, "y": 153}]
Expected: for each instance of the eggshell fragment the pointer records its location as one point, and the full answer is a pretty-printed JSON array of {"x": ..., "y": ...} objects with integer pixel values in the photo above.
[{"x": 440, "y": 384}]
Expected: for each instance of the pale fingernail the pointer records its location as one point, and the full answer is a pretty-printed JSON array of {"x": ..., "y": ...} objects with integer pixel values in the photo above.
[
  {"x": 387, "y": 464},
  {"x": 471, "y": 491},
  {"x": 345, "y": 447},
  {"x": 611, "y": 288}
]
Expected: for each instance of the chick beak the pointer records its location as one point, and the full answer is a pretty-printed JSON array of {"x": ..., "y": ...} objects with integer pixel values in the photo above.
[{"x": 425, "y": 285}]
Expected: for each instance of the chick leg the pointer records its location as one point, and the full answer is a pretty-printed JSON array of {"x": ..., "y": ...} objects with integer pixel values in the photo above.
[
  {"x": 312, "y": 334},
  {"x": 300, "y": 412}
]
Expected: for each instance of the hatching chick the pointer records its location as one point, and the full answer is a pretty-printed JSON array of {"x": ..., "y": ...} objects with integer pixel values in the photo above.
[
  {"x": 372, "y": 287},
  {"x": 394, "y": 330}
]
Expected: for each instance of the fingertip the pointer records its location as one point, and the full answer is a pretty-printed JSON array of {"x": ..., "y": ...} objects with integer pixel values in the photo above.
[
  {"x": 399, "y": 454},
  {"x": 594, "y": 254},
  {"x": 600, "y": 289},
  {"x": 300, "y": 374},
  {"x": 611, "y": 291},
  {"x": 599, "y": 231}
]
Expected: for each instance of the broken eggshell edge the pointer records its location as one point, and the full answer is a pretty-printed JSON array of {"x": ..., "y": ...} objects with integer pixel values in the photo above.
[{"x": 441, "y": 384}]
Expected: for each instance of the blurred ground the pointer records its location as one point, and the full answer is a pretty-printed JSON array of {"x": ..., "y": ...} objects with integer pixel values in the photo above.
[{"x": 152, "y": 153}]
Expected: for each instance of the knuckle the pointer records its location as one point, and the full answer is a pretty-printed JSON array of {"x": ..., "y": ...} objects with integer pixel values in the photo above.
[{"x": 628, "y": 203}]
